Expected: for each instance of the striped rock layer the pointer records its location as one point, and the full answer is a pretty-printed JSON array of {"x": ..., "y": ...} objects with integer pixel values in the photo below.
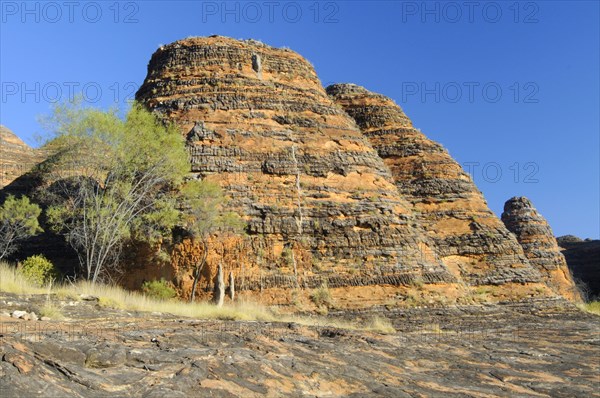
[
  {"x": 335, "y": 186},
  {"x": 16, "y": 157},
  {"x": 535, "y": 235},
  {"x": 316, "y": 196},
  {"x": 469, "y": 238}
]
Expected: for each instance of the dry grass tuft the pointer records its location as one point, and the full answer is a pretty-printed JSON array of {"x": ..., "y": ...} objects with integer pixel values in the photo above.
[
  {"x": 380, "y": 325},
  {"x": 12, "y": 281},
  {"x": 51, "y": 311},
  {"x": 592, "y": 307}
]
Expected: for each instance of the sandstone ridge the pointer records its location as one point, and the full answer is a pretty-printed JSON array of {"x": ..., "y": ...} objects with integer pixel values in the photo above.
[
  {"x": 467, "y": 235},
  {"x": 341, "y": 183},
  {"x": 336, "y": 186},
  {"x": 295, "y": 166}
]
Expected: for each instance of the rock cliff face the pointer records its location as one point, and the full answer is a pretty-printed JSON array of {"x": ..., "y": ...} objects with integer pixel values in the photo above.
[
  {"x": 583, "y": 259},
  {"x": 538, "y": 241},
  {"x": 337, "y": 188},
  {"x": 314, "y": 192},
  {"x": 16, "y": 157},
  {"x": 467, "y": 235}
]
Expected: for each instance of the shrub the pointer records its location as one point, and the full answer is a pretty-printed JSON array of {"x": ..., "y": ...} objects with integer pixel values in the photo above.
[
  {"x": 321, "y": 296},
  {"x": 158, "y": 289},
  {"x": 38, "y": 270}
]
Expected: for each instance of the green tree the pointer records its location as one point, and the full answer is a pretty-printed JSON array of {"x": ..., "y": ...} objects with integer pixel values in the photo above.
[
  {"x": 203, "y": 216},
  {"x": 113, "y": 180},
  {"x": 18, "y": 221}
]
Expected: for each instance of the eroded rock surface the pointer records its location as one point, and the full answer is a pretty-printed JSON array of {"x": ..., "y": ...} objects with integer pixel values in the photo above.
[
  {"x": 532, "y": 349},
  {"x": 310, "y": 186},
  {"x": 471, "y": 240},
  {"x": 583, "y": 259},
  {"x": 538, "y": 241},
  {"x": 16, "y": 157},
  {"x": 338, "y": 190}
]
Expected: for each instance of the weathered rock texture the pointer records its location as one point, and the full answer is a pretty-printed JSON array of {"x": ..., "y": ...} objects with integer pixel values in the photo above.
[
  {"x": 538, "y": 241},
  {"x": 310, "y": 186},
  {"x": 16, "y": 157},
  {"x": 468, "y": 236},
  {"x": 336, "y": 189},
  {"x": 583, "y": 259},
  {"x": 534, "y": 349}
]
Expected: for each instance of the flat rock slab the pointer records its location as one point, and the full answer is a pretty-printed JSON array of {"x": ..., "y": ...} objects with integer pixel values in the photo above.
[{"x": 521, "y": 350}]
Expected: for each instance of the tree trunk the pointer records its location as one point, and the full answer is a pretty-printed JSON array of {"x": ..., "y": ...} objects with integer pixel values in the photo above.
[
  {"x": 231, "y": 286},
  {"x": 219, "y": 292},
  {"x": 198, "y": 270}
]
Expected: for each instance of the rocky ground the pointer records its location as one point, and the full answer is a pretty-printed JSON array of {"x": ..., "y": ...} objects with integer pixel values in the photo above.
[{"x": 535, "y": 349}]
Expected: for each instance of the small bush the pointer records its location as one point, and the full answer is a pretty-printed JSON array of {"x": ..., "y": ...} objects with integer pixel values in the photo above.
[
  {"x": 159, "y": 289},
  {"x": 321, "y": 296},
  {"x": 38, "y": 270}
]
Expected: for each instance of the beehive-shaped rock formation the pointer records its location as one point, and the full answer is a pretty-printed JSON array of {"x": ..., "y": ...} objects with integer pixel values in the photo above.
[
  {"x": 293, "y": 163},
  {"x": 540, "y": 246},
  {"x": 470, "y": 239}
]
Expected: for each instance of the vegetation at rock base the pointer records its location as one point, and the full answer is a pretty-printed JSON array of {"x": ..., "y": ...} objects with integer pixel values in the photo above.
[
  {"x": 12, "y": 281},
  {"x": 52, "y": 311},
  {"x": 203, "y": 203},
  {"x": 160, "y": 290},
  {"x": 38, "y": 270},
  {"x": 18, "y": 221},
  {"x": 380, "y": 324},
  {"x": 111, "y": 181},
  {"x": 321, "y": 296},
  {"x": 592, "y": 307}
]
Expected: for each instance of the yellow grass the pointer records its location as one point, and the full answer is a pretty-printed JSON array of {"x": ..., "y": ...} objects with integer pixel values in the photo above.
[
  {"x": 592, "y": 307},
  {"x": 117, "y": 297},
  {"x": 51, "y": 311},
  {"x": 380, "y": 325},
  {"x": 11, "y": 281}
]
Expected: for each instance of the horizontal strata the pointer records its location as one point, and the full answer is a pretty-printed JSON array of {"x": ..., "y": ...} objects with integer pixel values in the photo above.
[
  {"x": 294, "y": 165},
  {"x": 469, "y": 238},
  {"x": 540, "y": 246},
  {"x": 336, "y": 187},
  {"x": 16, "y": 157}
]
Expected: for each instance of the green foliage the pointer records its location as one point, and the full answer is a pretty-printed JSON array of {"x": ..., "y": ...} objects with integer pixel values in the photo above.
[
  {"x": 159, "y": 289},
  {"x": 113, "y": 180},
  {"x": 417, "y": 282},
  {"x": 203, "y": 210},
  {"x": 321, "y": 296},
  {"x": 38, "y": 270},
  {"x": 203, "y": 215},
  {"x": 18, "y": 221}
]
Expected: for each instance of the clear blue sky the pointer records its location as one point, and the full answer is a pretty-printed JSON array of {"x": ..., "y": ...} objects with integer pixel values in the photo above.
[{"x": 510, "y": 88}]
